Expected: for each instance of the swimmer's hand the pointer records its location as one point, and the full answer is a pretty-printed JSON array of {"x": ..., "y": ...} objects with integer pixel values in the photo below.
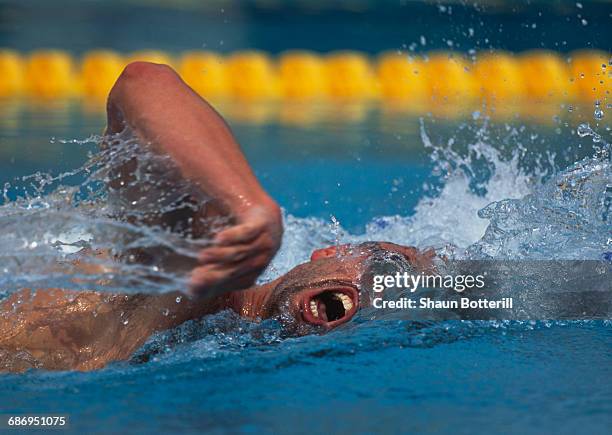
[{"x": 240, "y": 253}]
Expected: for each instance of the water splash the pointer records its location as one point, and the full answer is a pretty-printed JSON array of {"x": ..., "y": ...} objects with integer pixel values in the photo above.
[
  {"x": 564, "y": 218},
  {"x": 484, "y": 203},
  {"x": 103, "y": 225},
  {"x": 490, "y": 206}
]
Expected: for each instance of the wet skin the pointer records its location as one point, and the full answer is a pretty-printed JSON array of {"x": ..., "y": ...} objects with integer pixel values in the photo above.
[
  {"x": 59, "y": 330},
  {"x": 168, "y": 118}
]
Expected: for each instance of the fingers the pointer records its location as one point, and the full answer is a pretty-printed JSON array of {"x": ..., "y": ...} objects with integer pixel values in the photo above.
[
  {"x": 234, "y": 253},
  {"x": 239, "y": 254},
  {"x": 217, "y": 272},
  {"x": 239, "y": 234},
  {"x": 219, "y": 277},
  {"x": 225, "y": 254},
  {"x": 227, "y": 268},
  {"x": 258, "y": 220}
]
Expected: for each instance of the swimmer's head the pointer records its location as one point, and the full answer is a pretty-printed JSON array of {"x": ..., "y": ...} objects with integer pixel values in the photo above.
[{"x": 328, "y": 291}]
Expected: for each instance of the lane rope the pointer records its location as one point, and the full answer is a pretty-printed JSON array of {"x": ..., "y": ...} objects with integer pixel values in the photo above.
[{"x": 581, "y": 76}]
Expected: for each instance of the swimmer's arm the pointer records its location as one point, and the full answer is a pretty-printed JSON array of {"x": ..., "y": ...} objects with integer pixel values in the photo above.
[
  {"x": 163, "y": 110},
  {"x": 62, "y": 330}
]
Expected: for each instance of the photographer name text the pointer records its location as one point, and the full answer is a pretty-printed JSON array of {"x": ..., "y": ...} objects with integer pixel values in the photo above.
[{"x": 412, "y": 283}]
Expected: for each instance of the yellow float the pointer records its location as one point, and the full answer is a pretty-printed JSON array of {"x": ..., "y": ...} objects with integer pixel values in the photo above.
[
  {"x": 50, "y": 74},
  {"x": 350, "y": 76},
  {"x": 205, "y": 72},
  {"x": 592, "y": 74},
  {"x": 302, "y": 75},
  {"x": 401, "y": 77},
  {"x": 11, "y": 73},
  {"x": 546, "y": 76},
  {"x": 99, "y": 71},
  {"x": 450, "y": 77},
  {"x": 251, "y": 75},
  {"x": 499, "y": 77}
]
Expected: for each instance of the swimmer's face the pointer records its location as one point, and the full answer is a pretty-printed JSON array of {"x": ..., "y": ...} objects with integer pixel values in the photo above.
[{"x": 326, "y": 292}]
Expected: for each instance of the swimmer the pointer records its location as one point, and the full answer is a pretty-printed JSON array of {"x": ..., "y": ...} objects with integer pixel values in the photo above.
[{"x": 57, "y": 329}]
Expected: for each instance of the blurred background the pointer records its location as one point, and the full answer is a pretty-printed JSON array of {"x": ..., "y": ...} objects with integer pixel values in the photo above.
[
  {"x": 369, "y": 26},
  {"x": 335, "y": 91}
]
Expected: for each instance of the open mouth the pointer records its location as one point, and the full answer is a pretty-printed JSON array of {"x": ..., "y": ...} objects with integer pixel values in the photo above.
[{"x": 330, "y": 307}]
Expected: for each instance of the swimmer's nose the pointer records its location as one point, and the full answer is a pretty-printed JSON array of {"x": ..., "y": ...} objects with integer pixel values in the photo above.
[
  {"x": 323, "y": 253},
  {"x": 328, "y": 252}
]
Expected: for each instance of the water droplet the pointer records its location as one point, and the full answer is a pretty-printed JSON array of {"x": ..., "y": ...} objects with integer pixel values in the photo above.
[
  {"x": 475, "y": 115},
  {"x": 165, "y": 311},
  {"x": 584, "y": 130},
  {"x": 126, "y": 321},
  {"x": 179, "y": 299},
  {"x": 336, "y": 229},
  {"x": 598, "y": 114},
  {"x": 584, "y": 22}
]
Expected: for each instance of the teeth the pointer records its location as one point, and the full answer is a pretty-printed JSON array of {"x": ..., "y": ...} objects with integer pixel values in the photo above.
[
  {"x": 346, "y": 301},
  {"x": 313, "y": 308}
]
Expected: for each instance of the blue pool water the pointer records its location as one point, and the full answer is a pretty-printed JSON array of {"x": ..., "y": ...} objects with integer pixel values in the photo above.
[
  {"x": 449, "y": 378},
  {"x": 353, "y": 174},
  {"x": 226, "y": 375}
]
